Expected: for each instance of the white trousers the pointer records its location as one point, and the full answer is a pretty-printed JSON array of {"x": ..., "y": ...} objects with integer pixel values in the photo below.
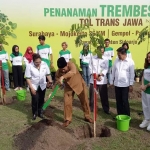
[{"x": 146, "y": 105}]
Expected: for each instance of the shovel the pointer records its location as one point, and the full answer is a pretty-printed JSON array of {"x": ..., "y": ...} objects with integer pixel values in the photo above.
[{"x": 46, "y": 104}]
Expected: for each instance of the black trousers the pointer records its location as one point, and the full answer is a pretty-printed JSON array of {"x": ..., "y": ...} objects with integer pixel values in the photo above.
[
  {"x": 122, "y": 102},
  {"x": 37, "y": 101},
  {"x": 103, "y": 92},
  {"x": 17, "y": 76}
]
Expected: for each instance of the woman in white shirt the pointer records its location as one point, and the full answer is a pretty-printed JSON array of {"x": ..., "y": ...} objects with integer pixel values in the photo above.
[
  {"x": 36, "y": 73},
  {"x": 16, "y": 60}
]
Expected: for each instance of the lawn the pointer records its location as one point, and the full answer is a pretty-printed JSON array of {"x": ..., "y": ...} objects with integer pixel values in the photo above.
[{"x": 17, "y": 117}]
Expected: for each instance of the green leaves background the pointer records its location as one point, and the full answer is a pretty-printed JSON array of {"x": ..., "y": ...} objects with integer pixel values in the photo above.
[{"x": 6, "y": 28}]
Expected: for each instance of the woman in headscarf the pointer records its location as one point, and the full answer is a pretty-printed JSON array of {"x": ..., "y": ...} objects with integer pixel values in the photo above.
[
  {"x": 85, "y": 56},
  {"x": 16, "y": 60},
  {"x": 28, "y": 56}
]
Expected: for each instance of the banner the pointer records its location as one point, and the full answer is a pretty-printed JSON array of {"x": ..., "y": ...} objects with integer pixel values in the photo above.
[{"x": 120, "y": 21}]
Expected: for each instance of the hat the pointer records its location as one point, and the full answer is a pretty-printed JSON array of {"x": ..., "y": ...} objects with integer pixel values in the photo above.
[{"x": 61, "y": 62}]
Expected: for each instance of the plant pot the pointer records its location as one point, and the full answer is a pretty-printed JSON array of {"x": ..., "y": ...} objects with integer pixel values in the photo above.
[{"x": 137, "y": 79}]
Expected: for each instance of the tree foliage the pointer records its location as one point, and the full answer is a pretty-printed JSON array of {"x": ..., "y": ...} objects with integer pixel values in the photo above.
[
  {"x": 6, "y": 28},
  {"x": 95, "y": 37}
]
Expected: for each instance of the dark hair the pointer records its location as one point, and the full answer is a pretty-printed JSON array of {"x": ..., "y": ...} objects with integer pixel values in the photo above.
[
  {"x": 36, "y": 56},
  {"x": 41, "y": 37},
  {"x": 125, "y": 43},
  {"x": 122, "y": 50},
  {"x": 13, "y": 50},
  {"x": 146, "y": 64},
  {"x": 107, "y": 40}
]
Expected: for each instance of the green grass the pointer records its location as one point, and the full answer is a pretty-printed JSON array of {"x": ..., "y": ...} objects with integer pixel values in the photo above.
[{"x": 16, "y": 117}]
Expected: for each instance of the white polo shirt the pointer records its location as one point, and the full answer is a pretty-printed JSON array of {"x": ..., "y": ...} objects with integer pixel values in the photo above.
[
  {"x": 122, "y": 73},
  {"x": 99, "y": 66},
  {"x": 37, "y": 77},
  {"x": 16, "y": 60},
  {"x": 66, "y": 54}
]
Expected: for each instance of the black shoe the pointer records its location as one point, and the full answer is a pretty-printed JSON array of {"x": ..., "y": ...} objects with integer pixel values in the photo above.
[
  {"x": 41, "y": 116},
  {"x": 107, "y": 112},
  {"x": 34, "y": 117}
]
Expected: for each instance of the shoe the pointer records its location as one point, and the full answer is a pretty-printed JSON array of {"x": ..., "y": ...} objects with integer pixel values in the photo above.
[
  {"x": 107, "y": 112},
  {"x": 34, "y": 117},
  {"x": 66, "y": 123},
  {"x": 16, "y": 89},
  {"x": 89, "y": 120},
  {"x": 8, "y": 89},
  {"x": 148, "y": 128},
  {"x": 20, "y": 88},
  {"x": 144, "y": 124},
  {"x": 27, "y": 88},
  {"x": 41, "y": 116}
]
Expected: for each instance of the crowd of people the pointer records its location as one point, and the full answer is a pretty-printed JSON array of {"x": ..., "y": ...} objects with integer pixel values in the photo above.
[{"x": 119, "y": 74}]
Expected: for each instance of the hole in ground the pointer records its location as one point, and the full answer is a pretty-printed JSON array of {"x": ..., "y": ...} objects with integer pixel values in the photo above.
[{"x": 87, "y": 131}]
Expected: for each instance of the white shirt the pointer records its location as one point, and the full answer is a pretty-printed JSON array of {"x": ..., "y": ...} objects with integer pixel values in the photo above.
[
  {"x": 4, "y": 56},
  {"x": 26, "y": 61},
  {"x": 122, "y": 73},
  {"x": 99, "y": 66},
  {"x": 16, "y": 60},
  {"x": 38, "y": 77}
]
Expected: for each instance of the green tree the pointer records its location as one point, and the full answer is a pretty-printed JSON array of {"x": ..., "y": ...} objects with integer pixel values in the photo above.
[
  {"x": 145, "y": 35},
  {"x": 95, "y": 38},
  {"x": 6, "y": 28}
]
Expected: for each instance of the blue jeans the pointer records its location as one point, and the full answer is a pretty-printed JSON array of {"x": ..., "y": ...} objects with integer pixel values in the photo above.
[
  {"x": 86, "y": 74},
  {"x": 6, "y": 78}
]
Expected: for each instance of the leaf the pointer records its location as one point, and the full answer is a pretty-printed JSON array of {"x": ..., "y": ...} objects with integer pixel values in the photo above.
[
  {"x": 13, "y": 35},
  {"x": 10, "y": 23},
  {"x": 3, "y": 20},
  {"x": 14, "y": 26},
  {"x": 7, "y": 28}
]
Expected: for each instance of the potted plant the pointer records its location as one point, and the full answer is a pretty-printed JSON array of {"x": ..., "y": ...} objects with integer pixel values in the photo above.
[{"x": 138, "y": 74}]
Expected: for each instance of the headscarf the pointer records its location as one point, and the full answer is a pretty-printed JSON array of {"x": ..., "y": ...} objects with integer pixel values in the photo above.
[
  {"x": 28, "y": 55},
  {"x": 13, "y": 50},
  {"x": 85, "y": 51}
]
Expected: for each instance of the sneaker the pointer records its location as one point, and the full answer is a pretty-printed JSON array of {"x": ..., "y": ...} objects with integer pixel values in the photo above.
[
  {"x": 27, "y": 88},
  {"x": 148, "y": 128},
  {"x": 20, "y": 88},
  {"x": 8, "y": 89},
  {"x": 144, "y": 124},
  {"x": 16, "y": 89}
]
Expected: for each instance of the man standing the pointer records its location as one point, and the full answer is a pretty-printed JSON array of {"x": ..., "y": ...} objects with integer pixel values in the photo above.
[
  {"x": 123, "y": 79},
  {"x": 100, "y": 67},
  {"x": 45, "y": 51},
  {"x": 109, "y": 54},
  {"x": 68, "y": 75},
  {"x": 4, "y": 59}
]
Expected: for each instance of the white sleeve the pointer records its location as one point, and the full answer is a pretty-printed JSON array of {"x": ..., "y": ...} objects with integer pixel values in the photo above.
[
  {"x": 113, "y": 73},
  {"x": 80, "y": 56},
  {"x": 130, "y": 56},
  {"x": 105, "y": 69},
  {"x": 132, "y": 74},
  {"x": 50, "y": 50},
  {"x": 11, "y": 58},
  {"x": 28, "y": 72},
  {"x": 7, "y": 56},
  {"x": 90, "y": 67},
  {"x": 112, "y": 53},
  {"x": 25, "y": 61},
  {"x": 47, "y": 70},
  {"x": 70, "y": 56}
]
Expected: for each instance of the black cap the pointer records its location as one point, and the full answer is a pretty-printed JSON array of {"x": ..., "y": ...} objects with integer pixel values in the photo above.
[{"x": 61, "y": 62}]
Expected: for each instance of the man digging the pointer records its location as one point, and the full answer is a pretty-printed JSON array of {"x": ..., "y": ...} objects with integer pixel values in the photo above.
[{"x": 68, "y": 75}]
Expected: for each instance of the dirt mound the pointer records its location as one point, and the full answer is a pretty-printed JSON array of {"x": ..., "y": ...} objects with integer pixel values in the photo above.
[
  {"x": 48, "y": 134},
  {"x": 136, "y": 94},
  {"x": 44, "y": 135}
]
